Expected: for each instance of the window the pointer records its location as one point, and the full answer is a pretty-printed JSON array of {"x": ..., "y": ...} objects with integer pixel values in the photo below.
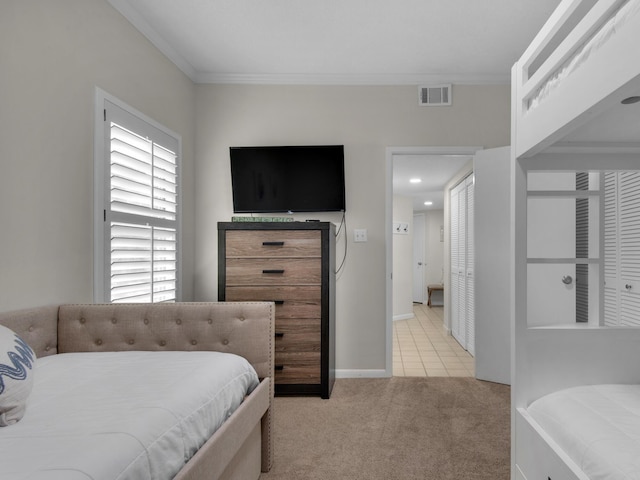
[{"x": 137, "y": 206}]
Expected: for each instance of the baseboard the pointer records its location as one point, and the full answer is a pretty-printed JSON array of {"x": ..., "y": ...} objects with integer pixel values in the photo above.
[
  {"x": 345, "y": 373},
  {"x": 404, "y": 316}
]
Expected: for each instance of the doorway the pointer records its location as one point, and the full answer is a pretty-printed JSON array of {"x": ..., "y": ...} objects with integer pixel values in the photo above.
[{"x": 448, "y": 156}]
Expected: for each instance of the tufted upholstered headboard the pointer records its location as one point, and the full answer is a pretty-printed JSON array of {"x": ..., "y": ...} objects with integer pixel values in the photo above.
[{"x": 241, "y": 328}]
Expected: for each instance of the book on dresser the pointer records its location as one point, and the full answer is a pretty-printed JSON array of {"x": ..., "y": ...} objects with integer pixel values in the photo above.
[{"x": 293, "y": 265}]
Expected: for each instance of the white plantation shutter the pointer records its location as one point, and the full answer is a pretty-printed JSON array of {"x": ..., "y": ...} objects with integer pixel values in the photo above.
[
  {"x": 140, "y": 214},
  {"x": 143, "y": 176}
]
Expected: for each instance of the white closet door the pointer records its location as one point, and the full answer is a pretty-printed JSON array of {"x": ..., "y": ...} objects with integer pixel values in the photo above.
[
  {"x": 462, "y": 266},
  {"x": 629, "y": 234},
  {"x": 455, "y": 261},
  {"x": 622, "y": 249},
  {"x": 470, "y": 263},
  {"x": 462, "y": 262}
]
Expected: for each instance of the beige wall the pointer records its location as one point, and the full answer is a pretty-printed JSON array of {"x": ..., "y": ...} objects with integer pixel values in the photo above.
[
  {"x": 52, "y": 56},
  {"x": 366, "y": 120}
]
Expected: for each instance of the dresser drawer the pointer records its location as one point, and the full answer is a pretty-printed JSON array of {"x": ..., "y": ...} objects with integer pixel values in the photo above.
[
  {"x": 273, "y": 271},
  {"x": 273, "y": 243},
  {"x": 291, "y": 301},
  {"x": 297, "y": 351},
  {"x": 298, "y": 367},
  {"x": 297, "y": 335}
]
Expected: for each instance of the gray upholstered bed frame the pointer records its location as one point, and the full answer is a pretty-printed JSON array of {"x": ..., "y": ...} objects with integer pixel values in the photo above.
[{"x": 242, "y": 447}]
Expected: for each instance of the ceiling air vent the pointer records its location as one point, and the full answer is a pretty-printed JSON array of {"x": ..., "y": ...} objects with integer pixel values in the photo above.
[{"x": 434, "y": 95}]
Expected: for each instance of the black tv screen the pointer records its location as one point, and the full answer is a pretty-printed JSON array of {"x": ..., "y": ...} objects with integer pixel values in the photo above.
[{"x": 287, "y": 179}]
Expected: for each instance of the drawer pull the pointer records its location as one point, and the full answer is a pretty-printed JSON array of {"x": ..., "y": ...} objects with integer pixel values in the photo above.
[
  {"x": 273, "y": 271},
  {"x": 279, "y": 334},
  {"x": 278, "y": 302},
  {"x": 272, "y": 244},
  {"x": 279, "y": 368}
]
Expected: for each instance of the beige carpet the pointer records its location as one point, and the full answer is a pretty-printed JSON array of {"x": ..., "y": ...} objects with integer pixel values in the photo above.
[{"x": 395, "y": 428}]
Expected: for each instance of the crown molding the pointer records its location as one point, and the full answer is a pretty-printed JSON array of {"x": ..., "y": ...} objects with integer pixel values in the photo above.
[
  {"x": 133, "y": 16},
  {"x": 356, "y": 79}
]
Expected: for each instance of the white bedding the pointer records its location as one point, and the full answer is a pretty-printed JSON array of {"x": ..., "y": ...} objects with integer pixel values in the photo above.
[
  {"x": 610, "y": 28},
  {"x": 124, "y": 415},
  {"x": 598, "y": 426}
]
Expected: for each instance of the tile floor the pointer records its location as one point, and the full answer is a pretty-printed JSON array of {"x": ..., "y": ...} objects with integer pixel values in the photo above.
[{"x": 423, "y": 348}]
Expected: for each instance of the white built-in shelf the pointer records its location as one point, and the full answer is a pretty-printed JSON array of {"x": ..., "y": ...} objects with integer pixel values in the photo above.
[
  {"x": 577, "y": 261},
  {"x": 564, "y": 193}
]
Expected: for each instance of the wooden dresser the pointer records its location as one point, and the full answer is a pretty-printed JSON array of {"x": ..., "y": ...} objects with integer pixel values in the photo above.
[{"x": 293, "y": 265}]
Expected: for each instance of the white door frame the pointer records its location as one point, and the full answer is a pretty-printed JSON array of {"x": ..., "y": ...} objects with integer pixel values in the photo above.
[{"x": 390, "y": 152}]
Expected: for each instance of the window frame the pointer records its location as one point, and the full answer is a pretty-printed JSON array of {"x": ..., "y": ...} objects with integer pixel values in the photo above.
[{"x": 106, "y": 107}]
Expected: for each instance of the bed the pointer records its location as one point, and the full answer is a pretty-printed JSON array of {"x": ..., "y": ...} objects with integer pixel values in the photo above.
[
  {"x": 575, "y": 403},
  {"x": 567, "y": 78},
  {"x": 173, "y": 391}
]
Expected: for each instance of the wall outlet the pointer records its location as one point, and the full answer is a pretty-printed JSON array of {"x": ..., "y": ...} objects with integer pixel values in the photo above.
[{"x": 360, "y": 235}]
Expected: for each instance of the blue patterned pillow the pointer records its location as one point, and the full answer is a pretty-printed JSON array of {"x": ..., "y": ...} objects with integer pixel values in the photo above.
[{"x": 17, "y": 360}]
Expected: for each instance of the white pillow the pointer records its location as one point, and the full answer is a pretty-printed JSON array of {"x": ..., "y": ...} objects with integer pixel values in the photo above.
[{"x": 17, "y": 360}]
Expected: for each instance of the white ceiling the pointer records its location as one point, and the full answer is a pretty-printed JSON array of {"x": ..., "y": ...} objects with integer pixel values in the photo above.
[
  {"x": 340, "y": 41},
  {"x": 435, "y": 171}
]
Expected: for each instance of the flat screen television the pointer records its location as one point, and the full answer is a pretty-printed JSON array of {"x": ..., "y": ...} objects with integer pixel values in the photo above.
[{"x": 288, "y": 179}]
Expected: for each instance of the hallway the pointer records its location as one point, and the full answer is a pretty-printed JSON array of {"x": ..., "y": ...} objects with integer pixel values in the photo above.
[{"x": 422, "y": 347}]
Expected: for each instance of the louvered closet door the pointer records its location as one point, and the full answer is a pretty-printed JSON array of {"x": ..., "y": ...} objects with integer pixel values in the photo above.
[
  {"x": 462, "y": 280},
  {"x": 455, "y": 261},
  {"x": 629, "y": 239},
  {"x": 462, "y": 254},
  {"x": 622, "y": 249},
  {"x": 469, "y": 285},
  {"x": 611, "y": 250}
]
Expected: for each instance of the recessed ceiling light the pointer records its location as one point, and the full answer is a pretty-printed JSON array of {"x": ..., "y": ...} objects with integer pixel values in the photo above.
[
  {"x": 630, "y": 100},
  {"x": 428, "y": 203},
  {"x": 415, "y": 180}
]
